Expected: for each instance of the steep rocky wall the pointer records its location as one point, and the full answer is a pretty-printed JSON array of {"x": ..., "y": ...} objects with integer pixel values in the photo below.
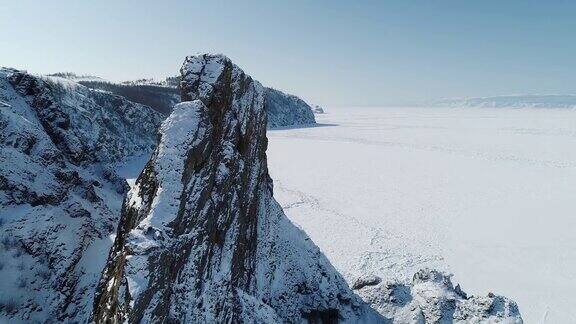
[
  {"x": 59, "y": 201},
  {"x": 286, "y": 110},
  {"x": 87, "y": 125},
  {"x": 201, "y": 238}
]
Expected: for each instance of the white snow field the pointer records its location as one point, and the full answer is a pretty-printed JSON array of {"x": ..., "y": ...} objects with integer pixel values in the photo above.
[{"x": 487, "y": 194}]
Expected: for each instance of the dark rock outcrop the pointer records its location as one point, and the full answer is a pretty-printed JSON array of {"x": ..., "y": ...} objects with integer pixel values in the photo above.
[
  {"x": 366, "y": 280},
  {"x": 201, "y": 238}
]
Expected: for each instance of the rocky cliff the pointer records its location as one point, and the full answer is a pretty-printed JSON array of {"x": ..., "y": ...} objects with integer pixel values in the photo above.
[
  {"x": 286, "y": 110},
  {"x": 59, "y": 201},
  {"x": 201, "y": 238}
]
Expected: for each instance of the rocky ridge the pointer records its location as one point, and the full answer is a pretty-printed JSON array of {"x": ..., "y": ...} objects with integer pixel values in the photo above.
[
  {"x": 286, "y": 110},
  {"x": 283, "y": 109},
  {"x": 59, "y": 199},
  {"x": 432, "y": 298}
]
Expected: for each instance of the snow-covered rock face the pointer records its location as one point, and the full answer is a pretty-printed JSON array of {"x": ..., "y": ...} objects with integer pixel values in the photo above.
[
  {"x": 431, "y": 298},
  {"x": 59, "y": 201},
  {"x": 86, "y": 125},
  {"x": 201, "y": 238},
  {"x": 286, "y": 110},
  {"x": 317, "y": 109}
]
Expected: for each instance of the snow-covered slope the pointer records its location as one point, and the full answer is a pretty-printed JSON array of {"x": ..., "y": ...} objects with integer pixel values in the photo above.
[
  {"x": 286, "y": 110},
  {"x": 514, "y": 101},
  {"x": 59, "y": 202},
  {"x": 201, "y": 238}
]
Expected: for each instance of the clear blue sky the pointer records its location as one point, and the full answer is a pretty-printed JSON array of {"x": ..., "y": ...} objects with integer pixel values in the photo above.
[{"x": 329, "y": 52}]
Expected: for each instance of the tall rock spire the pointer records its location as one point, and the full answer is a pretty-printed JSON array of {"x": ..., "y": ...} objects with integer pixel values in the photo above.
[{"x": 201, "y": 238}]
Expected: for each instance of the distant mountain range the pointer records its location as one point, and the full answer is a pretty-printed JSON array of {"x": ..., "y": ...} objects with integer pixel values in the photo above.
[{"x": 513, "y": 101}]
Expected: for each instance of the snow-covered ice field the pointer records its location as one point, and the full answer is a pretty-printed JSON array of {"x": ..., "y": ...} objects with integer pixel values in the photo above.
[{"x": 486, "y": 194}]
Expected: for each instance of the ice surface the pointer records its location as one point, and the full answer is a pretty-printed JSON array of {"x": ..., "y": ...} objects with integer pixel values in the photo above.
[{"x": 484, "y": 193}]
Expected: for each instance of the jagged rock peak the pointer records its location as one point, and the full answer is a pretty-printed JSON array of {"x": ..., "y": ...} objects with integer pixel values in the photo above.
[
  {"x": 201, "y": 238},
  {"x": 199, "y": 74}
]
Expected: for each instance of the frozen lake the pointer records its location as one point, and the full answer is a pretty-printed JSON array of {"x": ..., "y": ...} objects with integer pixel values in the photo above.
[{"x": 486, "y": 194}]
